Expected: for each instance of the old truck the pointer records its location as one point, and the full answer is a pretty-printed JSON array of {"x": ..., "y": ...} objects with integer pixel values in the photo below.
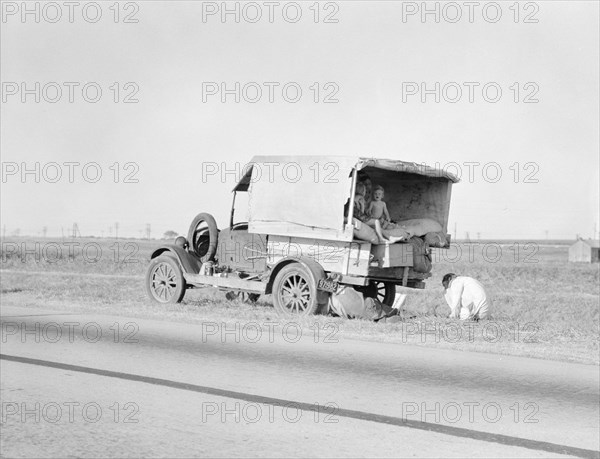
[{"x": 299, "y": 240}]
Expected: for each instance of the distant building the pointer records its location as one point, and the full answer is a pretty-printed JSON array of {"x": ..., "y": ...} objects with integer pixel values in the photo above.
[{"x": 585, "y": 251}]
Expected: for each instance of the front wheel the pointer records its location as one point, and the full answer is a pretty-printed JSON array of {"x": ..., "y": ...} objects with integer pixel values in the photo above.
[
  {"x": 295, "y": 292},
  {"x": 164, "y": 280}
]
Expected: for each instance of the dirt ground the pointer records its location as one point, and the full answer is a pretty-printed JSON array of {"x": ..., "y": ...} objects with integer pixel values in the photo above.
[{"x": 543, "y": 306}]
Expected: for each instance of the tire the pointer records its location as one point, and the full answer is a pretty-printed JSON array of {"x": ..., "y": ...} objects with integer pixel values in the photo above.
[
  {"x": 164, "y": 280},
  {"x": 295, "y": 292},
  {"x": 203, "y": 237},
  {"x": 385, "y": 292}
]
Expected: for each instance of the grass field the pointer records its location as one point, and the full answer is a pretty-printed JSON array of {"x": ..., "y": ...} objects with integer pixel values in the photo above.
[{"x": 543, "y": 306}]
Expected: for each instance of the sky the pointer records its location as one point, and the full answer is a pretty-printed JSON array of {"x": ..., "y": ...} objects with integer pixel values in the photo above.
[{"x": 369, "y": 75}]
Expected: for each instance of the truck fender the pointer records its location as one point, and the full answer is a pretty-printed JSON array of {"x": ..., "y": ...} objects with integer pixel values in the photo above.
[
  {"x": 190, "y": 263},
  {"x": 311, "y": 265}
]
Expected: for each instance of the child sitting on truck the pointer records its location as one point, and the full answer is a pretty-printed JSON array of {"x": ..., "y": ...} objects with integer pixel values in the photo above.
[
  {"x": 361, "y": 214},
  {"x": 378, "y": 209},
  {"x": 365, "y": 227}
]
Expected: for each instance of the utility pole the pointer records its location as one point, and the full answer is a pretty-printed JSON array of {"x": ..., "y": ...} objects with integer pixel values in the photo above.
[
  {"x": 478, "y": 236},
  {"x": 116, "y": 230},
  {"x": 76, "y": 230},
  {"x": 44, "y": 231}
]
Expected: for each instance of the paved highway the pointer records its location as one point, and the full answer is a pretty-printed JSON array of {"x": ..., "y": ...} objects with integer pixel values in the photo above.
[{"x": 96, "y": 385}]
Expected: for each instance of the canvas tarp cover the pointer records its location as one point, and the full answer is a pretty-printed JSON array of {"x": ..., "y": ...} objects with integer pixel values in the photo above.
[
  {"x": 305, "y": 194},
  {"x": 405, "y": 166}
]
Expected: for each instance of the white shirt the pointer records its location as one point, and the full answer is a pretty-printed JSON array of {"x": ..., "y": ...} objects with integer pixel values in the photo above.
[{"x": 467, "y": 299}]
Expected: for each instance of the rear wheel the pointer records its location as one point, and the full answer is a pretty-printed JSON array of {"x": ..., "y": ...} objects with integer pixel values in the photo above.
[
  {"x": 385, "y": 292},
  {"x": 164, "y": 279},
  {"x": 295, "y": 292}
]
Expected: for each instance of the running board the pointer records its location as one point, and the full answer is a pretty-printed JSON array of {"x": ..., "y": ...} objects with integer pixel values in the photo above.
[{"x": 234, "y": 283}]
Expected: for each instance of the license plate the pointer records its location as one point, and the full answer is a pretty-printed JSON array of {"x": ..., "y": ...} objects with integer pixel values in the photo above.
[{"x": 328, "y": 285}]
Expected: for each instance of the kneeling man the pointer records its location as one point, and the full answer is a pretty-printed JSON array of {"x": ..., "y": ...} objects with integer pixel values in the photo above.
[{"x": 466, "y": 297}]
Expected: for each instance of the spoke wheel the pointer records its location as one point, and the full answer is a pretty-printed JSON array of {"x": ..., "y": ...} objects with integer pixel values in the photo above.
[
  {"x": 385, "y": 292},
  {"x": 164, "y": 280},
  {"x": 295, "y": 292}
]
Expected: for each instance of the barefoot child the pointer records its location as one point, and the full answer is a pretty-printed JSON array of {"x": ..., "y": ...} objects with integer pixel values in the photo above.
[
  {"x": 378, "y": 208},
  {"x": 361, "y": 214}
]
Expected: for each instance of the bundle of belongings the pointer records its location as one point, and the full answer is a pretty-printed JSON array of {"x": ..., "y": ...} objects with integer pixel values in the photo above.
[
  {"x": 372, "y": 222},
  {"x": 419, "y": 233},
  {"x": 349, "y": 303},
  {"x": 428, "y": 229}
]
